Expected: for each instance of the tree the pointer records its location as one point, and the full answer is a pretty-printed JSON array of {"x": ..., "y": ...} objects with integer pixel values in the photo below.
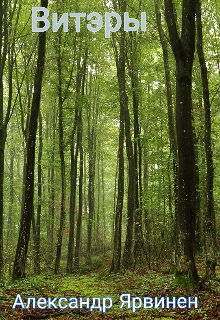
[
  {"x": 3, "y": 123},
  {"x": 36, "y": 226},
  {"x": 183, "y": 47},
  {"x": 62, "y": 97},
  {"x": 210, "y": 229},
  {"x": 7, "y": 48},
  {"x": 123, "y": 99},
  {"x": 92, "y": 115},
  {"x": 80, "y": 146},
  {"x": 24, "y": 233},
  {"x": 74, "y": 150},
  {"x": 62, "y": 158},
  {"x": 172, "y": 131}
]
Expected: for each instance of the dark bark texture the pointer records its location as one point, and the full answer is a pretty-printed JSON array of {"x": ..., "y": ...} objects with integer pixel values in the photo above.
[
  {"x": 183, "y": 47},
  {"x": 24, "y": 233},
  {"x": 171, "y": 120},
  {"x": 120, "y": 64},
  {"x": 210, "y": 230}
]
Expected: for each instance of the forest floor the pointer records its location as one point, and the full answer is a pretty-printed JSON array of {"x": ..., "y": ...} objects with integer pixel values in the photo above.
[{"x": 99, "y": 283}]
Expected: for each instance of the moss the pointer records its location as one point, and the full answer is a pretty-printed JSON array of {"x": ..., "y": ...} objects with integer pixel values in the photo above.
[{"x": 184, "y": 281}]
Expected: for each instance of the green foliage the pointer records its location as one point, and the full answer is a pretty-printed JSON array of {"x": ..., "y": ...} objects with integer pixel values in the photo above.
[
  {"x": 102, "y": 99},
  {"x": 139, "y": 283}
]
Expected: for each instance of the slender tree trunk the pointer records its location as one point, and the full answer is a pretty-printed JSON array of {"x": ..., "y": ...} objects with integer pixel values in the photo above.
[
  {"x": 128, "y": 252},
  {"x": 73, "y": 174},
  {"x": 62, "y": 163},
  {"x": 72, "y": 209},
  {"x": 2, "y": 148},
  {"x": 10, "y": 212},
  {"x": 198, "y": 212},
  {"x": 145, "y": 185},
  {"x": 210, "y": 229},
  {"x": 120, "y": 64},
  {"x": 37, "y": 235},
  {"x": 172, "y": 132},
  {"x": 103, "y": 207},
  {"x": 3, "y": 122},
  {"x": 24, "y": 233},
  {"x": 79, "y": 219},
  {"x": 98, "y": 199},
  {"x": 79, "y": 139},
  {"x": 137, "y": 206},
  {"x": 25, "y": 130},
  {"x": 183, "y": 48},
  {"x": 50, "y": 134},
  {"x": 52, "y": 195},
  {"x": 92, "y": 159}
]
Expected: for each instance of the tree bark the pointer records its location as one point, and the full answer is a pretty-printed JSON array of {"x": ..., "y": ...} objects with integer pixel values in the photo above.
[
  {"x": 73, "y": 174},
  {"x": 128, "y": 252},
  {"x": 183, "y": 48},
  {"x": 137, "y": 195},
  {"x": 10, "y": 211},
  {"x": 210, "y": 230},
  {"x": 3, "y": 121},
  {"x": 79, "y": 139},
  {"x": 24, "y": 233},
  {"x": 62, "y": 161},
  {"x": 51, "y": 190},
  {"x": 120, "y": 64},
  {"x": 79, "y": 219},
  {"x": 38, "y": 219},
  {"x": 172, "y": 132},
  {"x": 92, "y": 159}
]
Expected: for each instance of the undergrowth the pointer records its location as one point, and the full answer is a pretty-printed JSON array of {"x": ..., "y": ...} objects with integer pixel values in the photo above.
[{"x": 100, "y": 283}]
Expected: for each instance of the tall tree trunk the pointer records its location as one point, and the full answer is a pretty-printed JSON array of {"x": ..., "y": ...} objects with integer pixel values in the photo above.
[
  {"x": 37, "y": 235},
  {"x": 3, "y": 121},
  {"x": 62, "y": 161},
  {"x": 120, "y": 64},
  {"x": 183, "y": 48},
  {"x": 103, "y": 207},
  {"x": 73, "y": 173},
  {"x": 79, "y": 219},
  {"x": 10, "y": 212},
  {"x": 50, "y": 134},
  {"x": 128, "y": 254},
  {"x": 98, "y": 199},
  {"x": 172, "y": 132},
  {"x": 52, "y": 193},
  {"x": 132, "y": 198},
  {"x": 79, "y": 139},
  {"x": 2, "y": 149},
  {"x": 147, "y": 230},
  {"x": 24, "y": 233},
  {"x": 137, "y": 206},
  {"x": 91, "y": 115},
  {"x": 210, "y": 229}
]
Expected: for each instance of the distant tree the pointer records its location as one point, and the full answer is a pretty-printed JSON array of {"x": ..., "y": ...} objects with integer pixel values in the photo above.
[
  {"x": 92, "y": 116},
  {"x": 65, "y": 80},
  {"x": 80, "y": 146},
  {"x": 74, "y": 151}
]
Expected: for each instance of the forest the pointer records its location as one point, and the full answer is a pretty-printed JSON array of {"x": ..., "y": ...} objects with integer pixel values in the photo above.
[{"x": 109, "y": 165}]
